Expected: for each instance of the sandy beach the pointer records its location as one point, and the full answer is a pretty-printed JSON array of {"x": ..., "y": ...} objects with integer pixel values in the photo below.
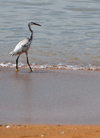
[
  {"x": 61, "y": 97},
  {"x": 55, "y": 103},
  {"x": 50, "y": 131}
]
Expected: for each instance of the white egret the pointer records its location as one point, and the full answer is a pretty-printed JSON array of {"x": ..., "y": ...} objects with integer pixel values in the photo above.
[{"x": 23, "y": 46}]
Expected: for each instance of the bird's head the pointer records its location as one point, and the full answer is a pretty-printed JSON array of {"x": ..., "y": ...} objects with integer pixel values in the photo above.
[{"x": 32, "y": 23}]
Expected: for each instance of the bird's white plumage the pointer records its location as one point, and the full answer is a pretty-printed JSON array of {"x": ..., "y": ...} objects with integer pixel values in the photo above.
[{"x": 21, "y": 47}]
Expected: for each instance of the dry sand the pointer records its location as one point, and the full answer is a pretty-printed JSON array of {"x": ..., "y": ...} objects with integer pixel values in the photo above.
[{"x": 50, "y": 131}]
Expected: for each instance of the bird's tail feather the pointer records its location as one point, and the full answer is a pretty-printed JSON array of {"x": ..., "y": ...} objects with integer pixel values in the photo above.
[{"x": 12, "y": 53}]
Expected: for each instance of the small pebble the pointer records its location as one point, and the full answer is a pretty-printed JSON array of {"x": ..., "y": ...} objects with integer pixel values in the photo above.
[
  {"x": 7, "y": 126},
  {"x": 42, "y": 135}
]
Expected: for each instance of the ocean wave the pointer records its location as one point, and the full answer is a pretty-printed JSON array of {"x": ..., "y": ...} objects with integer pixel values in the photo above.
[{"x": 47, "y": 66}]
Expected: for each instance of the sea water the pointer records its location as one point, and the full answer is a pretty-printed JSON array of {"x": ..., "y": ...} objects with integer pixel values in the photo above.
[{"x": 68, "y": 38}]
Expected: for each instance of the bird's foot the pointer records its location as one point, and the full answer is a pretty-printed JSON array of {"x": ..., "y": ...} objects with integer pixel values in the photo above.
[
  {"x": 31, "y": 70},
  {"x": 16, "y": 70}
]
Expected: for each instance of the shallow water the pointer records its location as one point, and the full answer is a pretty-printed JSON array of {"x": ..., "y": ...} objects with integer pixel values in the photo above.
[{"x": 69, "y": 35}]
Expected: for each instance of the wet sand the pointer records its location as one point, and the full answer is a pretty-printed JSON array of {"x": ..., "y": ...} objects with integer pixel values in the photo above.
[
  {"x": 49, "y": 97},
  {"x": 45, "y": 103}
]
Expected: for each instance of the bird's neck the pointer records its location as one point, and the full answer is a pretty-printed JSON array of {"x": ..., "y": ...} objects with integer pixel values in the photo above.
[{"x": 31, "y": 37}]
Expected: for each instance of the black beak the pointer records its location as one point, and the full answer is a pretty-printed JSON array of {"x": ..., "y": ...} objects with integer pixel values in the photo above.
[{"x": 36, "y": 24}]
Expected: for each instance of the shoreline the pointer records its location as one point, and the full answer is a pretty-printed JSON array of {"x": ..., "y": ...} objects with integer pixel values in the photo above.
[
  {"x": 51, "y": 66},
  {"x": 54, "y": 131}
]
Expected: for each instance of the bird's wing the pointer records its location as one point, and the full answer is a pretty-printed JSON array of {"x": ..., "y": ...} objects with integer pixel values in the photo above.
[{"x": 21, "y": 47}]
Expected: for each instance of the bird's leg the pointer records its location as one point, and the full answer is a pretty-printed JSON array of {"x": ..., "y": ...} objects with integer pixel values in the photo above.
[
  {"x": 17, "y": 63},
  {"x": 28, "y": 62}
]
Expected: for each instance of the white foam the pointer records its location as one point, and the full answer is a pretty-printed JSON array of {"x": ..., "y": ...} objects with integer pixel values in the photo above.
[
  {"x": 47, "y": 66},
  {"x": 5, "y": 65}
]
